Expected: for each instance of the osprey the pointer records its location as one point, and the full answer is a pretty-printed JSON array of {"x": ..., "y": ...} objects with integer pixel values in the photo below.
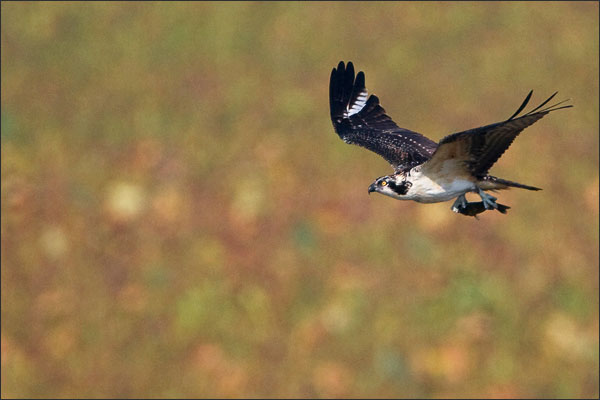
[{"x": 425, "y": 171}]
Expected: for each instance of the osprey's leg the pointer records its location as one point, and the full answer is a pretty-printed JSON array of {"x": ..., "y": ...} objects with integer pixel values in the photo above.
[
  {"x": 489, "y": 201},
  {"x": 460, "y": 203}
]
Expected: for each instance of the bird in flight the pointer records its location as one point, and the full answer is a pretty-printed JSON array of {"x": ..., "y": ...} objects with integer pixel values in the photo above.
[{"x": 425, "y": 171}]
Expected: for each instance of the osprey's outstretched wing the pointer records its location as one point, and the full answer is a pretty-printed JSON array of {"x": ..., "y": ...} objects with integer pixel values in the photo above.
[
  {"x": 478, "y": 149},
  {"x": 363, "y": 121}
]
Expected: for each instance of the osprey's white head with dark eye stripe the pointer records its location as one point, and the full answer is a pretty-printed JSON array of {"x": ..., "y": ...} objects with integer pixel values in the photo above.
[
  {"x": 391, "y": 185},
  {"x": 426, "y": 171}
]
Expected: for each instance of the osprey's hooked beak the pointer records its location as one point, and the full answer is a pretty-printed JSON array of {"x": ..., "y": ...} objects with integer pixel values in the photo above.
[{"x": 372, "y": 188}]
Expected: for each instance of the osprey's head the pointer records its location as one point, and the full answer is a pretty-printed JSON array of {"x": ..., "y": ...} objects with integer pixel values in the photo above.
[{"x": 390, "y": 186}]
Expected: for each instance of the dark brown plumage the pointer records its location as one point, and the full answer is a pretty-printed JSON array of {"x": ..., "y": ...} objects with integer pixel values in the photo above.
[
  {"x": 362, "y": 121},
  {"x": 370, "y": 127},
  {"x": 426, "y": 171}
]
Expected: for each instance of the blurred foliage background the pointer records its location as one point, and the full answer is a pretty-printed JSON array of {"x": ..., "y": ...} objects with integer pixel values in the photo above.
[{"x": 179, "y": 218}]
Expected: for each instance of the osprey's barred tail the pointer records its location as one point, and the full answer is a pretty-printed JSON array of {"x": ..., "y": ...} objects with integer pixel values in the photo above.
[{"x": 505, "y": 182}]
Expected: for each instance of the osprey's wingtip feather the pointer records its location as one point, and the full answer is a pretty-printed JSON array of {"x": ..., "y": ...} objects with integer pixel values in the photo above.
[
  {"x": 539, "y": 109},
  {"x": 543, "y": 104},
  {"x": 522, "y": 106}
]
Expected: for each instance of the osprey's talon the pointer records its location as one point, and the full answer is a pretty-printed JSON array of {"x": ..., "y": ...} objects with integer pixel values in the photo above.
[
  {"x": 459, "y": 204},
  {"x": 489, "y": 201}
]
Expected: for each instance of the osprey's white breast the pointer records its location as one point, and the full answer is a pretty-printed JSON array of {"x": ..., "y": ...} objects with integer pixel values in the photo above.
[{"x": 436, "y": 188}]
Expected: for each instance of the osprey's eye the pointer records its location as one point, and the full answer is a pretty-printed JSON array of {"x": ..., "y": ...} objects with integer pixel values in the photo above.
[{"x": 383, "y": 183}]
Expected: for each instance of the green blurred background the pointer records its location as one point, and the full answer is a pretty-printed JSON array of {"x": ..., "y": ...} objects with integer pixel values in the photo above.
[{"x": 179, "y": 218}]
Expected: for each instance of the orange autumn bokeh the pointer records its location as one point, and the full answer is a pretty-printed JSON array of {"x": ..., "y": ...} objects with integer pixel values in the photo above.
[{"x": 179, "y": 218}]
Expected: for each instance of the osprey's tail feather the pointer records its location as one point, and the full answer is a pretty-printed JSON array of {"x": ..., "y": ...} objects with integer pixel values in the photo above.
[{"x": 493, "y": 183}]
